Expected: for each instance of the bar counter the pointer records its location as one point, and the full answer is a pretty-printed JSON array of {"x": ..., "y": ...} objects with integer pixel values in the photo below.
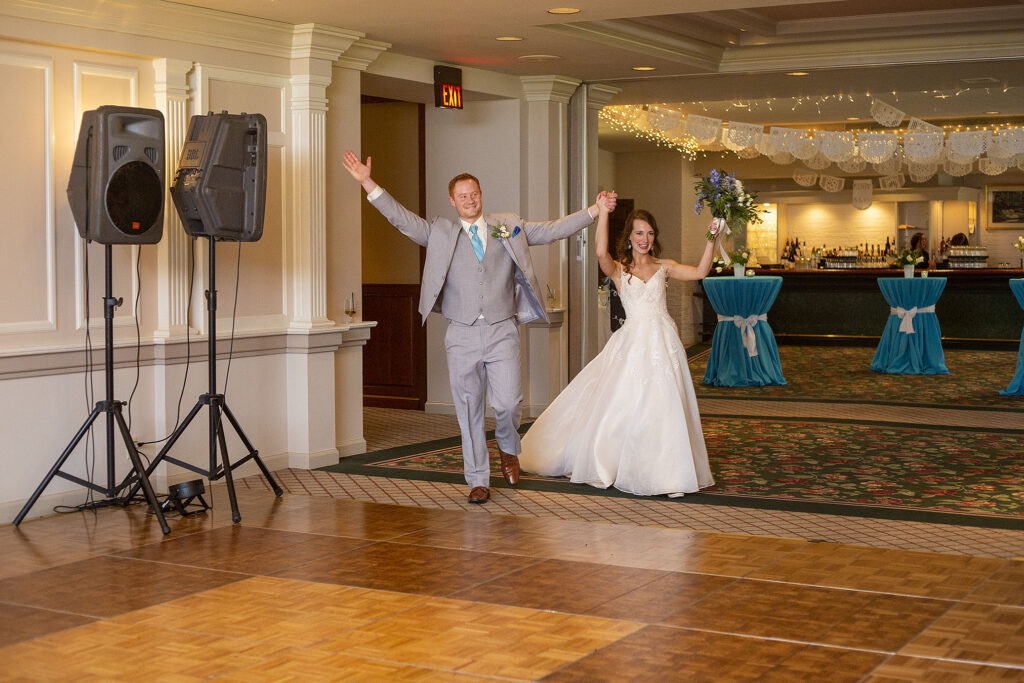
[{"x": 977, "y": 309}]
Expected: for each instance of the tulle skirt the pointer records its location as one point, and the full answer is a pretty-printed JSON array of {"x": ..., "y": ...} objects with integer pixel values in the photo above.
[{"x": 628, "y": 420}]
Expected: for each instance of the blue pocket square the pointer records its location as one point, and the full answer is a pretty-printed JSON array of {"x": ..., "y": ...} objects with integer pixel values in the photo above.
[{"x": 515, "y": 231}]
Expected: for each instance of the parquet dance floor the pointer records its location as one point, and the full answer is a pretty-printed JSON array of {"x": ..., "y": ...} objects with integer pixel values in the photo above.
[{"x": 324, "y": 587}]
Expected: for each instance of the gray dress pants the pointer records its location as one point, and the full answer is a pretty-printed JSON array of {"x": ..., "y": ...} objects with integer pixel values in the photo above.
[{"x": 483, "y": 359}]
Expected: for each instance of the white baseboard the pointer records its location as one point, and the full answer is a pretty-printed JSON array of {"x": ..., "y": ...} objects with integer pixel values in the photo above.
[
  {"x": 311, "y": 461},
  {"x": 44, "y": 505},
  {"x": 353, "y": 447},
  {"x": 436, "y": 408}
]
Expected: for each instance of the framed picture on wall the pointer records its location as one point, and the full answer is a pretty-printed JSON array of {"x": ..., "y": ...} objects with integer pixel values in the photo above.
[{"x": 1004, "y": 207}]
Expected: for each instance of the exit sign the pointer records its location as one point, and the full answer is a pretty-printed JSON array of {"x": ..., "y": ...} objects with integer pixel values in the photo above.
[{"x": 447, "y": 87}]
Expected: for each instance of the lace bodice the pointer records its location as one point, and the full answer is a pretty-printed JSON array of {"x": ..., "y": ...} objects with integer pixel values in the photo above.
[{"x": 642, "y": 299}]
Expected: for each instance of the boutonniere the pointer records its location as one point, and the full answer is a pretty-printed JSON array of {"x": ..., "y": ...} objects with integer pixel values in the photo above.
[{"x": 500, "y": 231}]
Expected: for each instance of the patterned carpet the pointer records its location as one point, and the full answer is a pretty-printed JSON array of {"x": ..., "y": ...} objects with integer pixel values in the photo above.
[
  {"x": 843, "y": 374},
  {"x": 839, "y": 439},
  {"x": 943, "y": 475}
]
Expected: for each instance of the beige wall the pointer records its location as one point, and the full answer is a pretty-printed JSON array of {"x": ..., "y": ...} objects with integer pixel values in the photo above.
[{"x": 58, "y": 60}]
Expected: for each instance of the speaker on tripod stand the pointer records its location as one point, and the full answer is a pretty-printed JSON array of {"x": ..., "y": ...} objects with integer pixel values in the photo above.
[
  {"x": 116, "y": 193},
  {"x": 220, "y": 193}
]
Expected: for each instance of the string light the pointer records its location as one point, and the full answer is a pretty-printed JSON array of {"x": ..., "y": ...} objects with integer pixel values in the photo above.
[{"x": 631, "y": 119}]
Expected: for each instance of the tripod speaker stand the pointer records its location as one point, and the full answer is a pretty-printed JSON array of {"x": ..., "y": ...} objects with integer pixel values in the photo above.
[
  {"x": 112, "y": 410},
  {"x": 218, "y": 410},
  {"x": 116, "y": 195}
]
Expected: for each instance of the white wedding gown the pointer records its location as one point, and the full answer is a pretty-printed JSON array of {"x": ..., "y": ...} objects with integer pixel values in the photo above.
[{"x": 629, "y": 419}]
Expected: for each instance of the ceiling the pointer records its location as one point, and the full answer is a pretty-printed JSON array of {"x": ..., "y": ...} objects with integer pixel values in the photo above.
[{"x": 939, "y": 60}]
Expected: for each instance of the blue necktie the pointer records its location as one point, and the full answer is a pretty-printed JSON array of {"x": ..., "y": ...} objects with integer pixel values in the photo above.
[{"x": 478, "y": 245}]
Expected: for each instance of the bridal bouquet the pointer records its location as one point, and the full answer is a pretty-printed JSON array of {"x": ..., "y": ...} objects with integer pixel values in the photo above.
[{"x": 724, "y": 195}]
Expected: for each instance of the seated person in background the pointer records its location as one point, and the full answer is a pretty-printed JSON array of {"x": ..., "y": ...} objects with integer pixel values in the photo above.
[
  {"x": 920, "y": 243},
  {"x": 958, "y": 240}
]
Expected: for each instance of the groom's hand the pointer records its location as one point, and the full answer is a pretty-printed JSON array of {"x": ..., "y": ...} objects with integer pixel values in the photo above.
[{"x": 359, "y": 170}]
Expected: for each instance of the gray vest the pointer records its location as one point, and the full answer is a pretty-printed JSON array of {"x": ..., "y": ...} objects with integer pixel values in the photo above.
[{"x": 473, "y": 287}]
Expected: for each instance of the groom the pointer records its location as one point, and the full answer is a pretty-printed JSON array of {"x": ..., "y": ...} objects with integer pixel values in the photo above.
[{"x": 479, "y": 275}]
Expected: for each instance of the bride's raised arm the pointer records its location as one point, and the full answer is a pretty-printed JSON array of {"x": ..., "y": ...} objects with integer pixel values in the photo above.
[
  {"x": 609, "y": 266},
  {"x": 681, "y": 272}
]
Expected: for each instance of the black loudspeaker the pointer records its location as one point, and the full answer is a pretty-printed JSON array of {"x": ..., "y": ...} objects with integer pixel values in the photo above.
[
  {"x": 116, "y": 188},
  {"x": 220, "y": 189}
]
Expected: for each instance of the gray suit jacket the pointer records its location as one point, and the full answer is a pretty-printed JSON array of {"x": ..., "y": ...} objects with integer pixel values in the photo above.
[{"x": 439, "y": 236}]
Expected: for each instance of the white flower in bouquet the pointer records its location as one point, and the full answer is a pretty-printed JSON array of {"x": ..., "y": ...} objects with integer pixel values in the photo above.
[{"x": 1019, "y": 244}]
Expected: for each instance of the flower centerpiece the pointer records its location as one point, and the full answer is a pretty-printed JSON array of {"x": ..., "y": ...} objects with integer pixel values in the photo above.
[
  {"x": 726, "y": 198},
  {"x": 739, "y": 256},
  {"x": 908, "y": 257},
  {"x": 1019, "y": 246}
]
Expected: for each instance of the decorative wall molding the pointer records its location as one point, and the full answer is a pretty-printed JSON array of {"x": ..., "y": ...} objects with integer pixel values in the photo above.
[
  {"x": 558, "y": 89},
  {"x": 49, "y": 323},
  {"x": 83, "y": 70},
  {"x": 69, "y": 360}
]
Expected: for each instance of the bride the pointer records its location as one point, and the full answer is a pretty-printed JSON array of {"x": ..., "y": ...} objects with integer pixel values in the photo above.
[{"x": 630, "y": 419}]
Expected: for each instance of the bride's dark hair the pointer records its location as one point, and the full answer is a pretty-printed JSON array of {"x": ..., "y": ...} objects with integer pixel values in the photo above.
[{"x": 622, "y": 247}]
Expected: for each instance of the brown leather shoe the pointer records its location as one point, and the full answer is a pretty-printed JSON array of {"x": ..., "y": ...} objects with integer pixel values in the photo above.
[
  {"x": 479, "y": 495},
  {"x": 509, "y": 467}
]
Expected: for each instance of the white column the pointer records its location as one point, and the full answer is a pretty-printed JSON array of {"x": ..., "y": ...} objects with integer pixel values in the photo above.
[
  {"x": 314, "y": 51},
  {"x": 585, "y": 160},
  {"x": 545, "y": 169},
  {"x": 172, "y": 98}
]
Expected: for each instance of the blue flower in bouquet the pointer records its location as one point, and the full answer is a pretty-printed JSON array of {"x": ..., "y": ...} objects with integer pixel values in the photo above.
[{"x": 726, "y": 198}]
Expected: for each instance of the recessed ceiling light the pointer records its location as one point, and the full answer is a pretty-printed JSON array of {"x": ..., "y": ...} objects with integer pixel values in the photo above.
[
  {"x": 644, "y": 68},
  {"x": 991, "y": 112},
  {"x": 767, "y": 204},
  {"x": 563, "y": 10},
  {"x": 508, "y": 38},
  {"x": 539, "y": 58},
  {"x": 798, "y": 73},
  {"x": 940, "y": 96},
  {"x": 740, "y": 104},
  {"x": 853, "y": 118}
]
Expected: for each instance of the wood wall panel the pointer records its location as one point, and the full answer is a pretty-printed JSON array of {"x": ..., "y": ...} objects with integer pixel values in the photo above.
[{"x": 395, "y": 358}]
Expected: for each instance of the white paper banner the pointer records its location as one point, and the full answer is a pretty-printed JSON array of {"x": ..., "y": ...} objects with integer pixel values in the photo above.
[
  {"x": 886, "y": 114},
  {"x": 890, "y": 166},
  {"x": 703, "y": 129},
  {"x": 923, "y": 147},
  {"x": 662, "y": 118},
  {"x": 862, "y": 194},
  {"x": 892, "y": 182},
  {"x": 766, "y": 146},
  {"x": 916, "y": 125},
  {"x": 1007, "y": 143},
  {"x": 804, "y": 177},
  {"x": 782, "y": 158},
  {"x": 852, "y": 165},
  {"x": 957, "y": 168},
  {"x": 921, "y": 172},
  {"x": 969, "y": 144},
  {"x": 992, "y": 166},
  {"x": 876, "y": 147},
  {"x": 835, "y": 145},
  {"x": 748, "y": 153},
  {"x": 831, "y": 183},
  {"x": 818, "y": 161},
  {"x": 744, "y": 134}
]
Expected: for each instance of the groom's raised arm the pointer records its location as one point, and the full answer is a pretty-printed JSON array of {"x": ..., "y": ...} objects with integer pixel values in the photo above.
[
  {"x": 409, "y": 224},
  {"x": 545, "y": 232}
]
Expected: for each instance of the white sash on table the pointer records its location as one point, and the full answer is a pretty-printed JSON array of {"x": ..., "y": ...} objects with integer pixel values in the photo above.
[
  {"x": 746, "y": 326},
  {"x": 907, "y": 316}
]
